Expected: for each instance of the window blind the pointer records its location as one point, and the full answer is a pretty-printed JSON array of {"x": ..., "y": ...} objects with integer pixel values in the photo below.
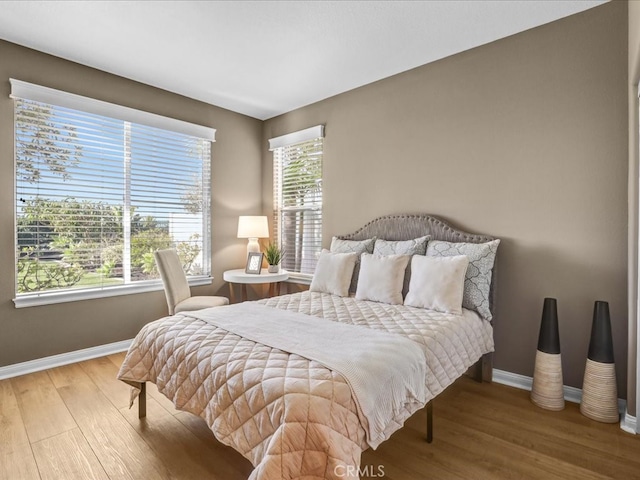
[
  {"x": 97, "y": 195},
  {"x": 298, "y": 203}
]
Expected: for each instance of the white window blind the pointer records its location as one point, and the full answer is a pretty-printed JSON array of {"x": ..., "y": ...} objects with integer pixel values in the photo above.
[
  {"x": 97, "y": 195},
  {"x": 298, "y": 200}
]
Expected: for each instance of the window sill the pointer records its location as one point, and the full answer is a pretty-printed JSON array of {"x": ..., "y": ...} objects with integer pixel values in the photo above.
[
  {"x": 300, "y": 278},
  {"x": 50, "y": 298}
]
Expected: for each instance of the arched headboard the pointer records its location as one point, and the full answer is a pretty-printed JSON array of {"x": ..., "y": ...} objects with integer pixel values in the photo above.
[{"x": 407, "y": 227}]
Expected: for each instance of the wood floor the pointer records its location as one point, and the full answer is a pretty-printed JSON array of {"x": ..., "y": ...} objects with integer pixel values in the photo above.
[{"x": 73, "y": 422}]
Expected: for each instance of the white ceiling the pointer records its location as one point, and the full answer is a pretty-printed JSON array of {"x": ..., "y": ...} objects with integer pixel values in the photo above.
[{"x": 264, "y": 58}]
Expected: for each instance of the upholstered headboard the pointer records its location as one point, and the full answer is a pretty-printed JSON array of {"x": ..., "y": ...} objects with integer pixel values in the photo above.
[{"x": 407, "y": 227}]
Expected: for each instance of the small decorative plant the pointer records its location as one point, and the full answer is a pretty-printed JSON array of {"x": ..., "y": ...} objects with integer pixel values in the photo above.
[{"x": 273, "y": 254}]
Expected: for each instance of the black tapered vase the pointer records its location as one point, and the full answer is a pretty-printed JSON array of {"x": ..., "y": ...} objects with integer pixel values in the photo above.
[
  {"x": 547, "y": 390},
  {"x": 599, "y": 388}
]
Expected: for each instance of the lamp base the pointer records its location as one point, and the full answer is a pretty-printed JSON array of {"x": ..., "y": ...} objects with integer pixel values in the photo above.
[{"x": 253, "y": 245}]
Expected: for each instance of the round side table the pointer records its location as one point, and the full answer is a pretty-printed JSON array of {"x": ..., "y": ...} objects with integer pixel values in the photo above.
[{"x": 239, "y": 276}]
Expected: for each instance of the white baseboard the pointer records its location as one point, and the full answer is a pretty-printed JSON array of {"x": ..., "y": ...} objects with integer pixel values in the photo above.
[
  {"x": 571, "y": 394},
  {"x": 628, "y": 423},
  {"x": 53, "y": 361}
]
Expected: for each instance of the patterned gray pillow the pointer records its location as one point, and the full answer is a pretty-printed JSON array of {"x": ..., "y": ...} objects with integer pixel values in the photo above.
[
  {"x": 477, "y": 282},
  {"x": 417, "y": 246},
  {"x": 353, "y": 246}
]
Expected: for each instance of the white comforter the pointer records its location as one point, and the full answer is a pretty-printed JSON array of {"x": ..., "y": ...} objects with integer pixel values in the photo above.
[
  {"x": 385, "y": 371},
  {"x": 291, "y": 417}
]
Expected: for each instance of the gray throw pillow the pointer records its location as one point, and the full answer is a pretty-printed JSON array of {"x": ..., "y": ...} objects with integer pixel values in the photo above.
[
  {"x": 477, "y": 282},
  {"x": 416, "y": 246},
  {"x": 353, "y": 246}
]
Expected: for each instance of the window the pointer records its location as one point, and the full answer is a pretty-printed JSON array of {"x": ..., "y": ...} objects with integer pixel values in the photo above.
[
  {"x": 297, "y": 190},
  {"x": 99, "y": 188}
]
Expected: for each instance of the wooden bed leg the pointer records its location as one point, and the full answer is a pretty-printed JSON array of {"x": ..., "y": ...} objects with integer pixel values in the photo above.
[
  {"x": 482, "y": 370},
  {"x": 487, "y": 367},
  {"x": 142, "y": 401},
  {"x": 477, "y": 370},
  {"x": 430, "y": 421}
]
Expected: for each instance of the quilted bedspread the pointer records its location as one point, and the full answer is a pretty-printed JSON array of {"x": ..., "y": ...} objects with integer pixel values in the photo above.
[{"x": 290, "y": 416}]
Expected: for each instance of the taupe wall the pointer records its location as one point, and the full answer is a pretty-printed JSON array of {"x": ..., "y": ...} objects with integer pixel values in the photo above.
[
  {"x": 36, "y": 332},
  {"x": 634, "y": 77},
  {"x": 525, "y": 139}
]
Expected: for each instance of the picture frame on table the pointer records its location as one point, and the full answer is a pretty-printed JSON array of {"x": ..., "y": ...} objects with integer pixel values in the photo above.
[{"x": 254, "y": 263}]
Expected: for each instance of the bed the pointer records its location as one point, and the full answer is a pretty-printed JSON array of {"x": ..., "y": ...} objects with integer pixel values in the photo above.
[{"x": 298, "y": 418}]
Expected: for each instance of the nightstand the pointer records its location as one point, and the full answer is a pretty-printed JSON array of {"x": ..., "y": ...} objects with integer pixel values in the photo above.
[{"x": 239, "y": 276}]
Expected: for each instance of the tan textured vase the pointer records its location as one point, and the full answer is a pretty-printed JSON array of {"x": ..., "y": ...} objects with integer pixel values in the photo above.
[
  {"x": 599, "y": 392},
  {"x": 599, "y": 389},
  {"x": 547, "y": 391}
]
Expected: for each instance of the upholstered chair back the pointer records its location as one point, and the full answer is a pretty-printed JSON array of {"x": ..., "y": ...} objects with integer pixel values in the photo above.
[{"x": 176, "y": 287}]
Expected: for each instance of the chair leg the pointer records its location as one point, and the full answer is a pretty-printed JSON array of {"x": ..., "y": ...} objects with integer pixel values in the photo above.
[{"x": 430, "y": 421}]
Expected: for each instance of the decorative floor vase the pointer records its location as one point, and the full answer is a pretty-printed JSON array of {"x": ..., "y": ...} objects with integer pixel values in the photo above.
[
  {"x": 547, "y": 390},
  {"x": 599, "y": 389}
]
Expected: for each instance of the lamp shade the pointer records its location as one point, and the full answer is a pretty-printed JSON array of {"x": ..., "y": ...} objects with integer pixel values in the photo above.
[{"x": 253, "y": 227}]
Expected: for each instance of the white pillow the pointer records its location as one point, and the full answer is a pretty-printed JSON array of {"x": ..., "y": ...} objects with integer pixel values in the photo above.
[
  {"x": 381, "y": 278},
  {"x": 477, "y": 284},
  {"x": 333, "y": 273},
  {"x": 437, "y": 283},
  {"x": 416, "y": 246},
  {"x": 357, "y": 246}
]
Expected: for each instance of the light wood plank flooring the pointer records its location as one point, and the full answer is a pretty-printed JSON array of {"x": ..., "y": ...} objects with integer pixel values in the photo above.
[{"x": 73, "y": 422}]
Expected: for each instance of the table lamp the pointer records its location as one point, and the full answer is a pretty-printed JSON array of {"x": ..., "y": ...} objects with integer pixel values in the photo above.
[{"x": 253, "y": 227}]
